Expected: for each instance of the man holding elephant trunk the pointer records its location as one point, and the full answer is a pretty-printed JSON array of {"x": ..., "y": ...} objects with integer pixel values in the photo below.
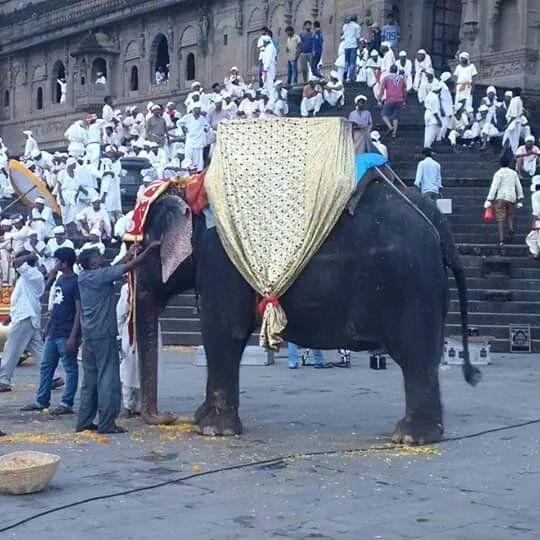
[{"x": 101, "y": 389}]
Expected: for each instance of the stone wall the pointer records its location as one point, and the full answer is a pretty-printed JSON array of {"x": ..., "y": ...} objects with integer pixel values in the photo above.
[{"x": 43, "y": 35}]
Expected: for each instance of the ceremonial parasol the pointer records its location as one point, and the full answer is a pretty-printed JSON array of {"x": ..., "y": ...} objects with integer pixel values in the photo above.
[{"x": 29, "y": 187}]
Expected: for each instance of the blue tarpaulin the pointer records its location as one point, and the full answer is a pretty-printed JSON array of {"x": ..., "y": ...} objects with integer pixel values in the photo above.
[{"x": 367, "y": 161}]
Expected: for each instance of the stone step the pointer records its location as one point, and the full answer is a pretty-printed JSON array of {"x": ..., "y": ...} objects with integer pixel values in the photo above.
[
  {"x": 493, "y": 250},
  {"x": 531, "y": 309},
  {"x": 509, "y": 294},
  {"x": 489, "y": 283},
  {"x": 488, "y": 237},
  {"x": 496, "y": 318}
]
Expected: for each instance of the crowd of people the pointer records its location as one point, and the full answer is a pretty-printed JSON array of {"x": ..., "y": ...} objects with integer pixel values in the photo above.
[{"x": 178, "y": 141}]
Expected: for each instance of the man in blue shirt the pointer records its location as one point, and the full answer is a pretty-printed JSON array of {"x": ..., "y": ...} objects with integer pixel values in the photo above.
[
  {"x": 390, "y": 31},
  {"x": 61, "y": 336},
  {"x": 306, "y": 50},
  {"x": 428, "y": 176},
  {"x": 101, "y": 388},
  {"x": 317, "y": 49}
]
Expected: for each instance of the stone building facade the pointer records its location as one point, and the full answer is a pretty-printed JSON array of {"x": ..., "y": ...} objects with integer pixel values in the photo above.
[{"x": 127, "y": 40}]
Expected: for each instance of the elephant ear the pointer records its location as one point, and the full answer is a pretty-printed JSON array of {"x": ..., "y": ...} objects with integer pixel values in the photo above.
[{"x": 176, "y": 241}]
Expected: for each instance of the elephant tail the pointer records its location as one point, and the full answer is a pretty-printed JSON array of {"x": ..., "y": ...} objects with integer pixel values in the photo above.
[{"x": 471, "y": 373}]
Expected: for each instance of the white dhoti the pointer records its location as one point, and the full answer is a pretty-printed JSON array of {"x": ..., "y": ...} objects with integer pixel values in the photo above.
[
  {"x": 464, "y": 92},
  {"x": 93, "y": 152},
  {"x": 430, "y": 134},
  {"x": 445, "y": 120},
  {"x": 334, "y": 98},
  {"x": 490, "y": 131},
  {"x": 8, "y": 274},
  {"x": 452, "y": 137},
  {"x": 533, "y": 242},
  {"x": 195, "y": 155},
  {"x": 269, "y": 79},
  {"x": 313, "y": 104},
  {"x": 76, "y": 149},
  {"x": 512, "y": 135}
]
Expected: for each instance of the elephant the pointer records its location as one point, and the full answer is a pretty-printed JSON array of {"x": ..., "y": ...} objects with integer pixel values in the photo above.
[{"x": 379, "y": 280}]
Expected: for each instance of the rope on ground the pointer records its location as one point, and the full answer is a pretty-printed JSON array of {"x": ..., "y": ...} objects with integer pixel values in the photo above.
[{"x": 258, "y": 463}]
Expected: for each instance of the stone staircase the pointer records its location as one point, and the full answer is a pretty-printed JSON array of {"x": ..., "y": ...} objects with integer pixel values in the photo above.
[{"x": 504, "y": 283}]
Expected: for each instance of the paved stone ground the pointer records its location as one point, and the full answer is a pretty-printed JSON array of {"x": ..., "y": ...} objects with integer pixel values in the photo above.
[{"x": 483, "y": 487}]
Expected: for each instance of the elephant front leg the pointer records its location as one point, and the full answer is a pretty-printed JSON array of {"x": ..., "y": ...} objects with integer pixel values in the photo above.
[
  {"x": 147, "y": 317},
  {"x": 423, "y": 422}
]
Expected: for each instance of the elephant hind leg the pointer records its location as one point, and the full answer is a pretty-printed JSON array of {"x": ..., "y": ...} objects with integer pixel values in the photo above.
[{"x": 423, "y": 421}]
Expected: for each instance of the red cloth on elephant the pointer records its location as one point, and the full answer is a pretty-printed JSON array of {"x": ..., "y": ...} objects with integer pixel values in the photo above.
[
  {"x": 196, "y": 197},
  {"x": 135, "y": 229}
]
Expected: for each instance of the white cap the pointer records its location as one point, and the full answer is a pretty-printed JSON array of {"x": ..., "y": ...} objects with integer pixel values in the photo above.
[
  {"x": 509, "y": 93},
  {"x": 218, "y": 99},
  {"x": 96, "y": 198},
  {"x": 529, "y": 138},
  {"x": 360, "y": 97},
  {"x": 446, "y": 76},
  {"x": 386, "y": 44},
  {"x": 402, "y": 53},
  {"x": 491, "y": 90},
  {"x": 27, "y": 133},
  {"x": 483, "y": 108},
  {"x": 375, "y": 135},
  {"x": 465, "y": 55},
  {"x": 155, "y": 107},
  {"x": 59, "y": 229},
  {"x": 39, "y": 200},
  {"x": 373, "y": 53},
  {"x": 170, "y": 104},
  {"x": 421, "y": 51},
  {"x": 194, "y": 84},
  {"x": 234, "y": 68}
]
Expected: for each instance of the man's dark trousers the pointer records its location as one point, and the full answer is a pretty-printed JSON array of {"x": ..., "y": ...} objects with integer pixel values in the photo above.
[{"x": 101, "y": 389}]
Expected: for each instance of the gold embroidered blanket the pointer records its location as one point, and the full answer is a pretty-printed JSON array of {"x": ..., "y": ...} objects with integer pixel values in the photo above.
[{"x": 277, "y": 188}]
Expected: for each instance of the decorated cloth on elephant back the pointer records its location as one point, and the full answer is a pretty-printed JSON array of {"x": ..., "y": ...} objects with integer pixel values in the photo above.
[{"x": 277, "y": 188}]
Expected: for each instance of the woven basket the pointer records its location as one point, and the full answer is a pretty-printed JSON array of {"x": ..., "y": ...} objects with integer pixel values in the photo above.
[{"x": 26, "y": 472}]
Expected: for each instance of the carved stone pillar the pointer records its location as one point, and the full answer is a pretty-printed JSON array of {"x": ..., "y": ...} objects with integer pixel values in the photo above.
[
  {"x": 288, "y": 12},
  {"x": 470, "y": 27}
]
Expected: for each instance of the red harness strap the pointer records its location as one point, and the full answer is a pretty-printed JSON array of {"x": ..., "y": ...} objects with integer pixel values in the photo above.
[{"x": 261, "y": 307}]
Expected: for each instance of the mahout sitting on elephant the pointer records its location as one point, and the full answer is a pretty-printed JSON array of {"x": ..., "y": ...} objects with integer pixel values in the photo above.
[{"x": 379, "y": 280}]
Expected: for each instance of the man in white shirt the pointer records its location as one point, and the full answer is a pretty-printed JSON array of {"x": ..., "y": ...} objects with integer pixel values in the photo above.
[
  {"x": 528, "y": 157},
  {"x": 405, "y": 68},
  {"x": 77, "y": 137},
  {"x": 428, "y": 176},
  {"x": 95, "y": 216},
  {"x": 432, "y": 116},
  {"x": 93, "y": 146},
  {"x": 30, "y": 144},
  {"x": 268, "y": 62},
  {"x": 41, "y": 219},
  {"x": 388, "y": 58},
  {"x": 465, "y": 73},
  {"x": 333, "y": 92},
  {"x": 107, "y": 112},
  {"x": 196, "y": 127},
  {"x": 514, "y": 115},
  {"x": 351, "y": 35},
  {"x": 59, "y": 240},
  {"x": 422, "y": 64},
  {"x": 25, "y": 318}
]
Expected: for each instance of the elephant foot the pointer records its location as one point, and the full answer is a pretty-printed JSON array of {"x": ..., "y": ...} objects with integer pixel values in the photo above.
[
  {"x": 412, "y": 432},
  {"x": 159, "y": 419},
  {"x": 224, "y": 424},
  {"x": 202, "y": 411}
]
